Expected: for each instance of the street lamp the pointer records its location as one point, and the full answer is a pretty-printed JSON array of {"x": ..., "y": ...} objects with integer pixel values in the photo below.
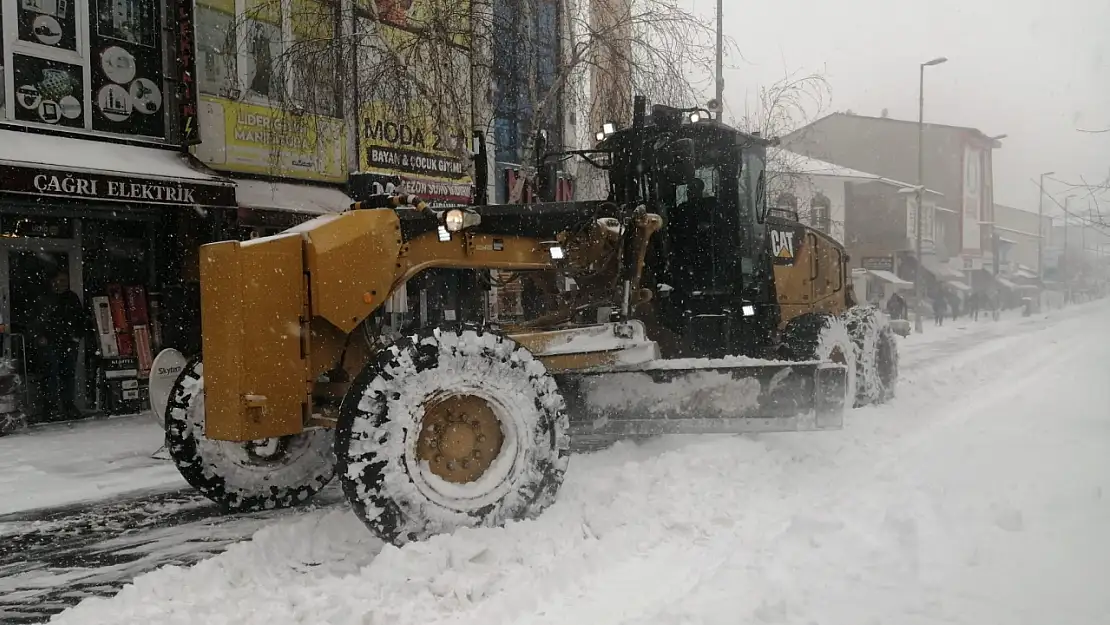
[
  {"x": 919, "y": 192},
  {"x": 1040, "y": 229},
  {"x": 1065, "y": 264}
]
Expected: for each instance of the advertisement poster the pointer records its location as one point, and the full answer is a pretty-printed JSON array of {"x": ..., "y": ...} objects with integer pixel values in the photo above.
[
  {"x": 51, "y": 23},
  {"x": 416, "y": 121},
  {"x": 253, "y": 139},
  {"x": 126, "y": 68},
  {"x": 48, "y": 92}
]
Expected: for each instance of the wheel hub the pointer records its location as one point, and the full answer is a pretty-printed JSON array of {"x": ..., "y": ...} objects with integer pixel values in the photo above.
[
  {"x": 267, "y": 449},
  {"x": 460, "y": 437}
]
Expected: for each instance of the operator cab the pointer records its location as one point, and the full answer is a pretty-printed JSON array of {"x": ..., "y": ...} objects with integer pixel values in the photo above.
[{"x": 706, "y": 180}]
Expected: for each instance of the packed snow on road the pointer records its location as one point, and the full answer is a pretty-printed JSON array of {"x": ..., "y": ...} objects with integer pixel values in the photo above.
[{"x": 981, "y": 494}]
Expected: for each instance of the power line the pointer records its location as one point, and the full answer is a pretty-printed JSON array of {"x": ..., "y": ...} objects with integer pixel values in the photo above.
[{"x": 1097, "y": 225}]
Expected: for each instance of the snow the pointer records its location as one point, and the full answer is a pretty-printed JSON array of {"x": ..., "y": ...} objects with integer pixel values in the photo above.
[
  {"x": 23, "y": 148},
  {"x": 709, "y": 391},
  {"x": 301, "y": 198},
  {"x": 54, "y": 465},
  {"x": 977, "y": 496}
]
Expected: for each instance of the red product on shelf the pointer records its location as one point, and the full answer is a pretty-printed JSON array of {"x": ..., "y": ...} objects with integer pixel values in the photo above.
[
  {"x": 137, "y": 311},
  {"x": 118, "y": 308}
]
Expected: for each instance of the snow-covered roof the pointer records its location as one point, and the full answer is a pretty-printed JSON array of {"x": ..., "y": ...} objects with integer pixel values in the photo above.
[
  {"x": 785, "y": 161},
  {"x": 26, "y": 149},
  {"x": 286, "y": 196}
]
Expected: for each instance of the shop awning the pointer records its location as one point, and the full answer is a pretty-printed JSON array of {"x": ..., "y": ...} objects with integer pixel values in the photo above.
[
  {"x": 941, "y": 270},
  {"x": 887, "y": 276},
  {"x": 956, "y": 284},
  {"x": 1028, "y": 275},
  {"x": 309, "y": 199},
  {"x": 1006, "y": 283},
  {"x": 79, "y": 169}
]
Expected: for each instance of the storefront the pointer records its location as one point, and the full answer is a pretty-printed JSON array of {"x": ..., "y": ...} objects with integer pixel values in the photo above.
[{"x": 124, "y": 224}]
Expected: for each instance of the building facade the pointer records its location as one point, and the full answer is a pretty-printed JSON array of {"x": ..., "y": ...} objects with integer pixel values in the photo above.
[{"x": 95, "y": 185}]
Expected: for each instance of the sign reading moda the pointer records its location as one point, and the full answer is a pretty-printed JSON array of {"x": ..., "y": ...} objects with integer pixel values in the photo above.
[{"x": 111, "y": 188}]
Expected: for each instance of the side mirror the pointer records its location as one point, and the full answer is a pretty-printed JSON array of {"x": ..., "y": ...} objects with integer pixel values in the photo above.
[{"x": 676, "y": 161}]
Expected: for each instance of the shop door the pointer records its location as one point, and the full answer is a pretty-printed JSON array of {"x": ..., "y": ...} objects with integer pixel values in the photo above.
[{"x": 26, "y": 269}]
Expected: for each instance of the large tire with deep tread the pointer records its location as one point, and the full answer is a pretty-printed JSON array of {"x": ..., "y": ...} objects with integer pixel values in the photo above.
[
  {"x": 876, "y": 354},
  {"x": 235, "y": 475},
  {"x": 818, "y": 336},
  {"x": 393, "y": 491}
]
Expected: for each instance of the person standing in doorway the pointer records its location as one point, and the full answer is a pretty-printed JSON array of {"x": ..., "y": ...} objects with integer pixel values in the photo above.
[{"x": 58, "y": 330}]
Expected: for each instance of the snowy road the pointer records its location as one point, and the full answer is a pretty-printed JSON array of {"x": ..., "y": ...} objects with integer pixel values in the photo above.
[{"x": 980, "y": 495}]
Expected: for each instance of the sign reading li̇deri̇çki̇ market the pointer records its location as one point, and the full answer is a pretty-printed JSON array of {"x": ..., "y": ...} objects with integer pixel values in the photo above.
[{"x": 112, "y": 188}]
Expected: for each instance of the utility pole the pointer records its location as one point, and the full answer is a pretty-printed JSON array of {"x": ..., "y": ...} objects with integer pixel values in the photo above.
[
  {"x": 720, "y": 59},
  {"x": 919, "y": 192},
  {"x": 1040, "y": 229}
]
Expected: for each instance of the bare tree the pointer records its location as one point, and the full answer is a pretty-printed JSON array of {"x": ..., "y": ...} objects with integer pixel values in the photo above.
[
  {"x": 404, "y": 69},
  {"x": 782, "y": 108}
]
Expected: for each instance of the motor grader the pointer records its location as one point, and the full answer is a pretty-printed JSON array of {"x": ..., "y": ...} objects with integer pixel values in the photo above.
[{"x": 677, "y": 305}]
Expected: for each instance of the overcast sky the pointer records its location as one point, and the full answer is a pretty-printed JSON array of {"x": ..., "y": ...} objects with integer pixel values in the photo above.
[{"x": 1034, "y": 70}]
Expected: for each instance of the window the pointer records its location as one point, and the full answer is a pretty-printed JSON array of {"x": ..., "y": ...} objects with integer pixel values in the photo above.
[
  {"x": 270, "y": 51},
  {"x": 525, "y": 69},
  {"x": 820, "y": 212},
  {"x": 216, "y": 61}
]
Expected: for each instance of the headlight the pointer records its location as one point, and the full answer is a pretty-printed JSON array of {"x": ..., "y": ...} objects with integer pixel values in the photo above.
[
  {"x": 748, "y": 310},
  {"x": 556, "y": 252},
  {"x": 454, "y": 220}
]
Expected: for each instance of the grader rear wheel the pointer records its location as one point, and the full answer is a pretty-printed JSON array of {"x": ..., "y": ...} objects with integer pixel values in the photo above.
[
  {"x": 242, "y": 477},
  {"x": 876, "y": 352},
  {"x": 449, "y": 429}
]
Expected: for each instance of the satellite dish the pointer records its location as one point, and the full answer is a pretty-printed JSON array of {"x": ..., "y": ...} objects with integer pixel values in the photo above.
[{"x": 163, "y": 373}]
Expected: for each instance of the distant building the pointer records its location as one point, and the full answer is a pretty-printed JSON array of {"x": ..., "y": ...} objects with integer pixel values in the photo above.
[{"x": 957, "y": 164}]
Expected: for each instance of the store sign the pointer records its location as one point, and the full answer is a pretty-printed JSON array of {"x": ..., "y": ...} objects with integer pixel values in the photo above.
[
  {"x": 878, "y": 263},
  {"x": 186, "y": 56},
  {"x": 87, "y": 65},
  {"x": 436, "y": 193},
  {"x": 972, "y": 197},
  {"x": 253, "y": 139},
  {"x": 112, "y": 188}
]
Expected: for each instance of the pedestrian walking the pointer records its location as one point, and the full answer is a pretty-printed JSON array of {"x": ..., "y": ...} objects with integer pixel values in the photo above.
[
  {"x": 974, "y": 301},
  {"x": 940, "y": 308}
]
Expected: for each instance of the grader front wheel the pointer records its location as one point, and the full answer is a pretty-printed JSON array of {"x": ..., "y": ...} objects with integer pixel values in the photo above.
[{"x": 449, "y": 429}]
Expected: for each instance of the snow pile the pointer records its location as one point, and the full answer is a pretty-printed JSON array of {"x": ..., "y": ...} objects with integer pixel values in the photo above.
[{"x": 977, "y": 496}]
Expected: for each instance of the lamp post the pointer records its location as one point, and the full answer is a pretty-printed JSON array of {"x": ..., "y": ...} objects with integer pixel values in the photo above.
[
  {"x": 920, "y": 191},
  {"x": 1040, "y": 229},
  {"x": 1065, "y": 264}
]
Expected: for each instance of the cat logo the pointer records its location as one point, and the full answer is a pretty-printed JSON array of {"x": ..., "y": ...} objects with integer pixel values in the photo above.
[{"x": 782, "y": 246}]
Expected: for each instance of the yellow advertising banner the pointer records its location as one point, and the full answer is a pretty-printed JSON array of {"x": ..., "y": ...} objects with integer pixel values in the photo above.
[
  {"x": 253, "y": 139},
  {"x": 416, "y": 119}
]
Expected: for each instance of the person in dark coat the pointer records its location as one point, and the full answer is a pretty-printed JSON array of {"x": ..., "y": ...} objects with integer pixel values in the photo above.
[
  {"x": 940, "y": 307},
  {"x": 896, "y": 307},
  {"x": 60, "y": 325}
]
